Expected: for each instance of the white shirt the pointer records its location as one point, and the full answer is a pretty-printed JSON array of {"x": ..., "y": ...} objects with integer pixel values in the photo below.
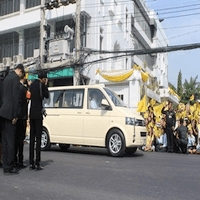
[
  {"x": 162, "y": 140},
  {"x": 191, "y": 140},
  {"x": 93, "y": 104}
]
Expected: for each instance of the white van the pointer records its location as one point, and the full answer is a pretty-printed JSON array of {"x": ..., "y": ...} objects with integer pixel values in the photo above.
[{"x": 91, "y": 115}]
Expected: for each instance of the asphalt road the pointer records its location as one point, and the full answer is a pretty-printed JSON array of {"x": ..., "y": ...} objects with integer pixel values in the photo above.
[{"x": 90, "y": 174}]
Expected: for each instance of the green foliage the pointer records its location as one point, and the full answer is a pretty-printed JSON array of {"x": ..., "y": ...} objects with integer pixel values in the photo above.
[
  {"x": 179, "y": 84},
  {"x": 189, "y": 88}
]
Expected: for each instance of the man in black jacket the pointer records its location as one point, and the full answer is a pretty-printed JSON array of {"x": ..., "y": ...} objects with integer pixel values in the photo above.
[
  {"x": 38, "y": 90},
  {"x": 181, "y": 140},
  {"x": 21, "y": 124},
  {"x": 170, "y": 125},
  {"x": 9, "y": 114}
]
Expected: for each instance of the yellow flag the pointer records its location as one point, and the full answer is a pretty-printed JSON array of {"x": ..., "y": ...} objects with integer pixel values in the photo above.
[
  {"x": 157, "y": 110},
  {"x": 152, "y": 102},
  {"x": 142, "y": 105},
  {"x": 192, "y": 97}
]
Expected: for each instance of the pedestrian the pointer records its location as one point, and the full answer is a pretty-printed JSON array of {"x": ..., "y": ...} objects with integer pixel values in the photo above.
[
  {"x": 9, "y": 114},
  {"x": 38, "y": 90},
  {"x": 170, "y": 117},
  {"x": 21, "y": 124}
]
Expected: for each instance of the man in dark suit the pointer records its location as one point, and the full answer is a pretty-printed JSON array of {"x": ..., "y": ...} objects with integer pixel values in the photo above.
[
  {"x": 21, "y": 124},
  {"x": 9, "y": 114},
  {"x": 168, "y": 111},
  {"x": 39, "y": 90}
]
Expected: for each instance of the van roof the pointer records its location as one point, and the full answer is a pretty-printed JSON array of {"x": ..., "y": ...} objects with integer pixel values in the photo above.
[{"x": 75, "y": 87}]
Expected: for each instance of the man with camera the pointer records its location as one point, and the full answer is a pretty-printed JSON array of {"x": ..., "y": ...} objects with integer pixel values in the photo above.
[{"x": 39, "y": 91}]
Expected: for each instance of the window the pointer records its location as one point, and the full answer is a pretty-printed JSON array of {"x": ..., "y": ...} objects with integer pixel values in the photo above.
[
  {"x": 73, "y": 98},
  {"x": 31, "y": 3},
  {"x": 54, "y": 100},
  {"x": 9, "y": 6},
  {"x": 32, "y": 38},
  {"x": 95, "y": 97},
  {"x": 9, "y": 44}
]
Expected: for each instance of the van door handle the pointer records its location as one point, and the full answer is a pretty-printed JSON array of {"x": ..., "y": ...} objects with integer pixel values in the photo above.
[
  {"x": 87, "y": 112},
  {"x": 79, "y": 112}
]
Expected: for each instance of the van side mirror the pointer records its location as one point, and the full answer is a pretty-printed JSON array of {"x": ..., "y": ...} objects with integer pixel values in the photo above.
[{"x": 105, "y": 105}]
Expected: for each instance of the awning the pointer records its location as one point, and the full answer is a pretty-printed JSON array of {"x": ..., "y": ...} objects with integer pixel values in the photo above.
[{"x": 66, "y": 72}]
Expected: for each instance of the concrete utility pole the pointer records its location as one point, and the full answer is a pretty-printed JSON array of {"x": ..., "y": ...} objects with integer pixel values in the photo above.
[
  {"x": 42, "y": 34},
  {"x": 76, "y": 78}
]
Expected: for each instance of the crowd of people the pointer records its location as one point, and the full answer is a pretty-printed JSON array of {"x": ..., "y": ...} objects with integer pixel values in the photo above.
[
  {"x": 14, "y": 99},
  {"x": 173, "y": 130}
]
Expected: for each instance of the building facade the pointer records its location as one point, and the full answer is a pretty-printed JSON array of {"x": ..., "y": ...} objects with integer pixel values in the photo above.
[{"x": 110, "y": 32}]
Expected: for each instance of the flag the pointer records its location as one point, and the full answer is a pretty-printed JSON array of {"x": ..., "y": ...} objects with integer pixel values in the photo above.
[
  {"x": 192, "y": 97},
  {"x": 152, "y": 102},
  {"x": 142, "y": 105}
]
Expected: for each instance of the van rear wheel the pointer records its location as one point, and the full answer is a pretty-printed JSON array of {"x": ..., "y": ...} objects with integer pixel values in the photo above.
[
  {"x": 45, "y": 141},
  {"x": 64, "y": 147},
  {"x": 131, "y": 150},
  {"x": 115, "y": 143}
]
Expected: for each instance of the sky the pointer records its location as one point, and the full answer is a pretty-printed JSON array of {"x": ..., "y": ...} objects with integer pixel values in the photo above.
[{"x": 182, "y": 26}]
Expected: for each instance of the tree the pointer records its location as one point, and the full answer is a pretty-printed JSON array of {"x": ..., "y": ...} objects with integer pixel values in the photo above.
[
  {"x": 179, "y": 84},
  {"x": 190, "y": 88}
]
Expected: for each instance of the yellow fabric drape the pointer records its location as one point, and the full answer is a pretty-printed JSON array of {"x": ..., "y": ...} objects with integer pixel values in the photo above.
[
  {"x": 145, "y": 76},
  {"x": 142, "y": 105},
  {"x": 116, "y": 76}
]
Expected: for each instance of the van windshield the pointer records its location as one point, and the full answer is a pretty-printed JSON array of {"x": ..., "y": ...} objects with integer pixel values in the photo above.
[{"x": 115, "y": 98}]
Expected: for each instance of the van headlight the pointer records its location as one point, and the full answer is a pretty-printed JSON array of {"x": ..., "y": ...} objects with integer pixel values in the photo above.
[{"x": 134, "y": 121}]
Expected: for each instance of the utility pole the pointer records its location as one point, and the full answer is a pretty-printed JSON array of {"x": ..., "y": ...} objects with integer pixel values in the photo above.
[
  {"x": 76, "y": 78},
  {"x": 42, "y": 34}
]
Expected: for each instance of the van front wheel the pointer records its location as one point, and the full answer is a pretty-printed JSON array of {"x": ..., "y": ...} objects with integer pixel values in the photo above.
[
  {"x": 45, "y": 141},
  {"x": 115, "y": 143}
]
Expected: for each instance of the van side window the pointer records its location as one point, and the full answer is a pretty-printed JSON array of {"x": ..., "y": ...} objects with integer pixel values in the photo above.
[
  {"x": 95, "y": 97},
  {"x": 73, "y": 98},
  {"x": 54, "y": 100}
]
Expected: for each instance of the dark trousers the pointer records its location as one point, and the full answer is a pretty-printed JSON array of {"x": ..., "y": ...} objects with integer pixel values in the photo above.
[
  {"x": 35, "y": 135},
  {"x": 8, "y": 144},
  {"x": 19, "y": 140},
  {"x": 170, "y": 139},
  {"x": 159, "y": 149},
  {"x": 0, "y": 137},
  {"x": 181, "y": 145}
]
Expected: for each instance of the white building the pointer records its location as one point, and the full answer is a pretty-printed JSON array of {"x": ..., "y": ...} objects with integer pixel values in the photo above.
[{"x": 110, "y": 25}]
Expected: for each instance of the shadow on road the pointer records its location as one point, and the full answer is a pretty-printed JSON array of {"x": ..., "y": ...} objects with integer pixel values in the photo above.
[{"x": 91, "y": 151}]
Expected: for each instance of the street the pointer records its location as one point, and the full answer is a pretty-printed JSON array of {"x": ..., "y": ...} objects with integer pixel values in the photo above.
[{"x": 90, "y": 174}]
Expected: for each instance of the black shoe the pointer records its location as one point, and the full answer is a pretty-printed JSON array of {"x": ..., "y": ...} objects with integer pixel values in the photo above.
[
  {"x": 32, "y": 167},
  {"x": 12, "y": 171},
  {"x": 39, "y": 167},
  {"x": 22, "y": 165},
  {"x": 1, "y": 165}
]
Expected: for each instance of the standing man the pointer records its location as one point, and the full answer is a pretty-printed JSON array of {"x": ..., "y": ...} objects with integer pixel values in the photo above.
[
  {"x": 9, "y": 114},
  {"x": 39, "y": 90},
  {"x": 21, "y": 124},
  {"x": 170, "y": 124}
]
